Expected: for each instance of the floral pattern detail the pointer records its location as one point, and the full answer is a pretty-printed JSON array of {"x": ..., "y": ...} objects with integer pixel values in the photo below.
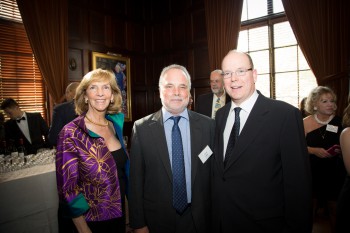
[{"x": 84, "y": 165}]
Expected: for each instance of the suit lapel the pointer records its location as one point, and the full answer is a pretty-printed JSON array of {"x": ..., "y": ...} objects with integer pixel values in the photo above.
[
  {"x": 157, "y": 129},
  {"x": 18, "y": 130},
  {"x": 222, "y": 119},
  {"x": 196, "y": 138},
  {"x": 228, "y": 99},
  {"x": 30, "y": 124},
  {"x": 250, "y": 130}
]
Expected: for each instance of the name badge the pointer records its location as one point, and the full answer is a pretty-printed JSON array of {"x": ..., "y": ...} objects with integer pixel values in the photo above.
[
  {"x": 205, "y": 154},
  {"x": 332, "y": 128}
]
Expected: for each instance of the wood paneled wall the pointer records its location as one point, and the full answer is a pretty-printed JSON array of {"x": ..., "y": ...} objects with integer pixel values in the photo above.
[{"x": 153, "y": 33}]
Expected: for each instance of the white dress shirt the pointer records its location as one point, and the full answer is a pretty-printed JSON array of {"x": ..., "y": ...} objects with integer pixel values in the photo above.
[
  {"x": 23, "y": 126},
  {"x": 246, "y": 107}
]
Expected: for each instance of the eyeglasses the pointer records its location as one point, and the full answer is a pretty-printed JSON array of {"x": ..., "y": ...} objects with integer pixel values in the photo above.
[{"x": 239, "y": 72}]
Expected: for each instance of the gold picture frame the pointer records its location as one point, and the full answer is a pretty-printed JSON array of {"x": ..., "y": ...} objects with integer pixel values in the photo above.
[{"x": 121, "y": 68}]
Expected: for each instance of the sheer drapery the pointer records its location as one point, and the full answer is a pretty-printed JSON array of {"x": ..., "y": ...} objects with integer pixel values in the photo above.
[
  {"x": 322, "y": 31},
  {"x": 223, "y": 20},
  {"x": 45, "y": 22}
]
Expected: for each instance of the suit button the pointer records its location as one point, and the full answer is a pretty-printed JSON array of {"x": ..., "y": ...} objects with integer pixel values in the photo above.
[{"x": 223, "y": 179}]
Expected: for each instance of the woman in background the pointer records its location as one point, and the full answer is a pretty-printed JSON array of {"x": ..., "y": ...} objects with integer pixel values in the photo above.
[
  {"x": 343, "y": 207},
  {"x": 91, "y": 159},
  {"x": 322, "y": 129}
]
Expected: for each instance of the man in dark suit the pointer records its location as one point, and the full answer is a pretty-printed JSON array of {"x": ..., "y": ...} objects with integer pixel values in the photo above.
[
  {"x": 153, "y": 171},
  {"x": 208, "y": 104},
  {"x": 31, "y": 127},
  {"x": 261, "y": 174},
  {"x": 63, "y": 113}
]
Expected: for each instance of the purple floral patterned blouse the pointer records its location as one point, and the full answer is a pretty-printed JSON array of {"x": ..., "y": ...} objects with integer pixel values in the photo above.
[{"x": 86, "y": 172}]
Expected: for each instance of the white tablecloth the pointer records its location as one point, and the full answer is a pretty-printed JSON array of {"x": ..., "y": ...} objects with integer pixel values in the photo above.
[{"x": 29, "y": 200}]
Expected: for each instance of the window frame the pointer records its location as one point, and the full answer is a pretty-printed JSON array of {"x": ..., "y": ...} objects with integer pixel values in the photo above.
[{"x": 269, "y": 21}]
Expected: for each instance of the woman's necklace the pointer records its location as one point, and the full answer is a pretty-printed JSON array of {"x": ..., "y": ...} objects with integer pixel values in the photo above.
[
  {"x": 323, "y": 134},
  {"x": 95, "y": 123},
  {"x": 323, "y": 122}
]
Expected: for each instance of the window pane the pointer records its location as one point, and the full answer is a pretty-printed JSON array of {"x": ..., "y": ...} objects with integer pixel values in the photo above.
[
  {"x": 287, "y": 88},
  {"x": 303, "y": 65},
  {"x": 9, "y": 10},
  {"x": 283, "y": 34},
  {"x": 277, "y": 6},
  {"x": 263, "y": 84},
  {"x": 307, "y": 82},
  {"x": 261, "y": 61},
  {"x": 286, "y": 59},
  {"x": 258, "y": 38},
  {"x": 244, "y": 16},
  {"x": 254, "y": 9},
  {"x": 243, "y": 41}
]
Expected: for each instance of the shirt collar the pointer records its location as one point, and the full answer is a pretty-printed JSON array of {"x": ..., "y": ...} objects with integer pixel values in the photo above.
[
  {"x": 248, "y": 104},
  {"x": 23, "y": 115},
  {"x": 167, "y": 115}
]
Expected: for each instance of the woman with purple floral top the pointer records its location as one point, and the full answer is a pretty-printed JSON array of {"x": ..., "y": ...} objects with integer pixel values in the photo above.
[{"x": 92, "y": 163}]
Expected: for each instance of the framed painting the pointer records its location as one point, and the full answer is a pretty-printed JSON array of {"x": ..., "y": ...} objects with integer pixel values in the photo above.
[{"x": 121, "y": 68}]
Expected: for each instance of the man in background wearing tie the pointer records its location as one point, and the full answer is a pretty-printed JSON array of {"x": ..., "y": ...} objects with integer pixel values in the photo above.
[
  {"x": 170, "y": 161},
  {"x": 208, "y": 104},
  {"x": 31, "y": 127},
  {"x": 261, "y": 173}
]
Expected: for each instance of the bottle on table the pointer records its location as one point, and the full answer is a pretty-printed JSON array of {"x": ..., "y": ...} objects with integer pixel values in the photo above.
[
  {"x": 7, "y": 153},
  {"x": 13, "y": 149},
  {"x": 21, "y": 149},
  {"x": 5, "y": 148},
  {"x": 2, "y": 149}
]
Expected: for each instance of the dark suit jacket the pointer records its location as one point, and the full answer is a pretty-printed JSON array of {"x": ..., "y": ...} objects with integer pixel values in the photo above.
[
  {"x": 266, "y": 184},
  {"x": 62, "y": 115},
  {"x": 150, "y": 198},
  {"x": 204, "y": 103},
  {"x": 37, "y": 129}
]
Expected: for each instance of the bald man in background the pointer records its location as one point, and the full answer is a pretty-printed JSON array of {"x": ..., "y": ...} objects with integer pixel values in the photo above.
[{"x": 63, "y": 113}]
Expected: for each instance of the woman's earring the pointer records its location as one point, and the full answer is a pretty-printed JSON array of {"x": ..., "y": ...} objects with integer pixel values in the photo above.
[
  {"x": 86, "y": 100},
  {"x": 315, "y": 108},
  {"x": 112, "y": 101}
]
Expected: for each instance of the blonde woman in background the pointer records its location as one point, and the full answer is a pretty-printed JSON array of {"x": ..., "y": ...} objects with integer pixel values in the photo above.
[{"x": 322, "y": 130}]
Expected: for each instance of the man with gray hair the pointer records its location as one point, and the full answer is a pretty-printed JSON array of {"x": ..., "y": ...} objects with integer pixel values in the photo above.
[
  {"x": 208, "y": 104},
  {"x": 170, "y": 163}
]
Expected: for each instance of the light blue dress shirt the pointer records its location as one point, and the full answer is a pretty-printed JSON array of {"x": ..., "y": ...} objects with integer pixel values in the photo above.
[{"x": 184, "y": 125}]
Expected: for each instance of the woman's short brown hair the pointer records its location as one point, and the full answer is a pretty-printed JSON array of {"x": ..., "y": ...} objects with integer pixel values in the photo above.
[{"x": 98, "y": 75}]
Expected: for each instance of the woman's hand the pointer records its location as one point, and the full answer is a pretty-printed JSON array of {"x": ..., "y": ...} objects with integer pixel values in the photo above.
[
  {"x": 81, "y": 225},
  {"x": 141, "y": 230},
  {"x": 319, "y": 152}
]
